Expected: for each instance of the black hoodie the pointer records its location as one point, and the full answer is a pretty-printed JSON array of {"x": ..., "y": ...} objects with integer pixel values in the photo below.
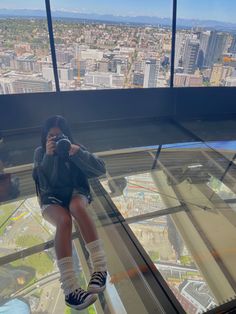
[{"x": 55, "y": 176}]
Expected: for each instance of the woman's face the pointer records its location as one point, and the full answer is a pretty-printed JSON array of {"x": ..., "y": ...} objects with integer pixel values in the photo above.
[{"x": 55, "y": 131}]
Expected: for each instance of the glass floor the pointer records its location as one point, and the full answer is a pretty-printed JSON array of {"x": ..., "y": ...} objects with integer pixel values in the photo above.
[{"x": 167, "y": 217}]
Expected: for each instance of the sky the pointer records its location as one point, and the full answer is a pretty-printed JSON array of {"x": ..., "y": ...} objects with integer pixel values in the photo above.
[{"x": 220, "y": 10}]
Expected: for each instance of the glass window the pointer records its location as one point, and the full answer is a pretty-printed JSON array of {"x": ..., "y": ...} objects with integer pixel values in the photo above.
[
  {"x": 205, "y": 51},
  {"x": 112, "y": 46},
  {"x": 24, "y": 47}
]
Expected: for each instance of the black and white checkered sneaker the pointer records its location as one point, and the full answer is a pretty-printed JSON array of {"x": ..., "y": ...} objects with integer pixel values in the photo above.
[
  {"x": 97, "y": 282},
  {"x": 80, "y": 299}
]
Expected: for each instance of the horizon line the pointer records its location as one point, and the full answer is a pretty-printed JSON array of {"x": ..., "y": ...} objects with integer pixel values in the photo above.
[{"x": 121, "y": 15}]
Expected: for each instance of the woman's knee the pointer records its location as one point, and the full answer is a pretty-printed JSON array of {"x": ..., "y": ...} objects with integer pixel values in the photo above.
[
  {"x": 64, "y": 221},
  {"x": 78, "y": 207},
  {"x": 58, "y": 216}
]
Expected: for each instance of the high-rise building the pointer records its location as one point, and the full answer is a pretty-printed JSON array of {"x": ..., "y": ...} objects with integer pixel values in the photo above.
[
  {"x": 138, "y": 79},
  {"x": 215, "y": 48},
  {"x": 63, "y": 56},
  {"x": 64, "y": 73},
  {"x": 139, "y": 66},
  {"x": 190, "y": 56},
  {"x": 31, "y": 85},
  {"x": 232, "y": 48},
  {"x": 179, "y": 47},
  {"x": 151, "y": 71},
  {"x": 98, "y": 79},
  {"x": 204, "y": 39},
  {"x": 27, "y": 63},
  {"x": 48, "y": 73}
]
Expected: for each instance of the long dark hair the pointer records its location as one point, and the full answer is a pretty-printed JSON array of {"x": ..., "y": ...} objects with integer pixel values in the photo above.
[{"x": 52, "y": 122}]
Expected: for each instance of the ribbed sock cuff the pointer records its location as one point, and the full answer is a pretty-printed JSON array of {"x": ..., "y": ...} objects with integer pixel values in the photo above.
[
  {"x": 97, "y": 255},
  {"x": 68, "y": 276}
]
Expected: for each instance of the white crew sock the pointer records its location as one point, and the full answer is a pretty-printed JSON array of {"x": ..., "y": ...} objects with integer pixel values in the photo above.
[
  {"x": 97, "y": 255},
  {"x": 68, "y": 277}
]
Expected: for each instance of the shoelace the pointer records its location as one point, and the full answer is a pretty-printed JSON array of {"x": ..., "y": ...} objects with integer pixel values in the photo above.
[
  {"x": 98, "y": 276},
  {"x": 79, "y": 294}
]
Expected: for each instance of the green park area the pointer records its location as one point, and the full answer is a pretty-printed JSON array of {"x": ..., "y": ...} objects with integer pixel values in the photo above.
[
  {"x": 89, "y": 310},
  {"x": 41, "y": 262},
  {"x": 6, "y": 212}
]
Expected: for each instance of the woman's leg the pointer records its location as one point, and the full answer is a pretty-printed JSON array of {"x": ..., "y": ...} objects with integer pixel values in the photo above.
[
  {"x": 79, "y": 212},
  {"x": 61, "y": 219},
  {"x": 94, "y": 245}
]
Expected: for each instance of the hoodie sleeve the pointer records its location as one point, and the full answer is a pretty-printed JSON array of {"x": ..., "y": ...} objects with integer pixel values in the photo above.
[
  {"x": 46, "y": 161},
  {"x": 91, "y": 165}
]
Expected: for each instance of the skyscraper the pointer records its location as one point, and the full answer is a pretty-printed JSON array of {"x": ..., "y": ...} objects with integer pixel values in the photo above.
[
  {"x": 151, "y": 71},
  {"x": 190, "y": 56},
  {"x": 232, "y": 48},
  {"x": 179, "y": 47},
  {"x": 204, "y": 39},
  {"x": 215, "y": 48}
]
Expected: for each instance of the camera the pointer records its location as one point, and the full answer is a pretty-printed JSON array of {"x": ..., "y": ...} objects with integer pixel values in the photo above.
[{"x": 63, "y": 145}]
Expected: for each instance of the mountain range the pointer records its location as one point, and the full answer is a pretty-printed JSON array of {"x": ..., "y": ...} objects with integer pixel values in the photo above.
[{"x": 147, "y": 20}]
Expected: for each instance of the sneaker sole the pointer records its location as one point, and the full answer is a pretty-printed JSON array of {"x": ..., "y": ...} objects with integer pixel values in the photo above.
[
  {"x": 96, "y": 289},
  {"x": 84, "y": 305}
]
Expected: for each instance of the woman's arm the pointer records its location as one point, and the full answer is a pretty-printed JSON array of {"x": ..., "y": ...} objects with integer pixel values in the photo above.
[
  {"x": 44, "y": 160},
  {"x": 91, "y": 165}
]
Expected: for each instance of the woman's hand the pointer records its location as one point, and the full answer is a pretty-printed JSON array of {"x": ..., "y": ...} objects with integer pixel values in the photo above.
[
  {"x": 74, "y": 149},
  {"x": 50, "y": 146}
]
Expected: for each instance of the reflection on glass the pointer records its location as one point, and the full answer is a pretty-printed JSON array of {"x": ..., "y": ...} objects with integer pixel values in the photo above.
[
  {"x": 205, "y": 52},
  {"x": 24, "y": 50},
  {"x": 139, "y": 194},
  {"x": 112, "y": 47},
  {"x": 9, "y": 187}
]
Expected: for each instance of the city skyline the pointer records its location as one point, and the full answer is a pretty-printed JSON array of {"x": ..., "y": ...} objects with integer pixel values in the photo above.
[
  {"x": 202, "y": 10},
  {"x": 103, "y": 56}
]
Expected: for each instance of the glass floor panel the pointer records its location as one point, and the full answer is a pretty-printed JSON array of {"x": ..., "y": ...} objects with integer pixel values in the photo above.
[
  {"x": 22, "y": 226},
  {"x": 169, "y": 253},
  {"x": 181, "y": 208},
  {"x": 31, "y": 283},
  {"x": 176, "y": 204}
]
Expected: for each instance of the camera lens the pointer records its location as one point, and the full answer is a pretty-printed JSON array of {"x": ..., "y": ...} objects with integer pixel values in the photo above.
[{"x": 63, "y": 146}]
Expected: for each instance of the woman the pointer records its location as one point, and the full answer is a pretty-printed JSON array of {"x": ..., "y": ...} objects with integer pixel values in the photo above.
[{"x": 63, "y": 190}]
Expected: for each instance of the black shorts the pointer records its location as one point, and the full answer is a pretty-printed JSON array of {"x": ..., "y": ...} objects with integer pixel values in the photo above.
[{"x": 52, "y": 199}]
